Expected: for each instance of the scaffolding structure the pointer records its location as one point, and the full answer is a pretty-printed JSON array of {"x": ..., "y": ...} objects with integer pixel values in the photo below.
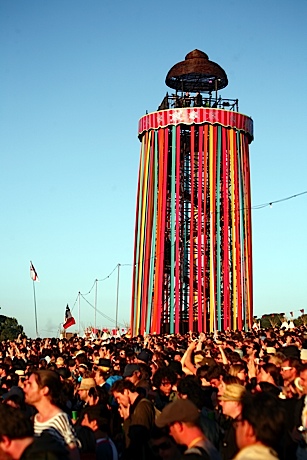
[{"x": 193, "y": 251}]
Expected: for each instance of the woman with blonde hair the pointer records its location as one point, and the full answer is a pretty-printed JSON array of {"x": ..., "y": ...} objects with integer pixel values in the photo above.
[{"x": 239, "y": 370}]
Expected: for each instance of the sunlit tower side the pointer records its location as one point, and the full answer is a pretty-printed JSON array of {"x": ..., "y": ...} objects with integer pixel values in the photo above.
[{"x": 193, "y": 239}]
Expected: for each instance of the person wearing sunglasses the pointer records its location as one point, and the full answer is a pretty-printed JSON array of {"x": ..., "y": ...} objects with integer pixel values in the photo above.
[
  {"x": 230, "y": 403},
  {"x": 289, "y": 371}
]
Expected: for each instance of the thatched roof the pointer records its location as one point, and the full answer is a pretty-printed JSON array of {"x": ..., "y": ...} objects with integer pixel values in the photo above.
[{"x": 196, "y": 73}]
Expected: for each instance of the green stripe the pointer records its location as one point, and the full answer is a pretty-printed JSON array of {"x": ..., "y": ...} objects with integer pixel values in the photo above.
[
  {"x": 138, "y": 233},
  {"x": 153, "y": 237},
  {"x": 173, "y": 220}
]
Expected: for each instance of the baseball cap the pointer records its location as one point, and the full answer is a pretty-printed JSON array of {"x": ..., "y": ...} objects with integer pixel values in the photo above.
[
  {"x": 104, "y": 363},
  {"x": 144, "y": 356},
  {"x": 14, "y": 391},
  {"x": 180, "y": 410},
  {"x": 130, "y": 369}
]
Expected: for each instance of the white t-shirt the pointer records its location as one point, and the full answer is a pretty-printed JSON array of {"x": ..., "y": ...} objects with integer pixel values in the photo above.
[{"x": 58, "y": 426}]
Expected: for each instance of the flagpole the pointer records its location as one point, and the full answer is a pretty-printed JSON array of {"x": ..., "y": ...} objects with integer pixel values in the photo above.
[
  {"x": 36, "y": 327},
  {"x": 95, "y": 304},
  {"x": 117, "y": 293},
  {"x": 79, "y": 316}
]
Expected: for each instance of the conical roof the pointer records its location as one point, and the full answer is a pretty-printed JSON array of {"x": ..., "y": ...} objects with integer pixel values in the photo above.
[{"x": 196, "y": 73}]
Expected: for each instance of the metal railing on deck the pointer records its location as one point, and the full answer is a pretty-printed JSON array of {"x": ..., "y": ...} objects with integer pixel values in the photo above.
[{"x": 176, "y": 101}]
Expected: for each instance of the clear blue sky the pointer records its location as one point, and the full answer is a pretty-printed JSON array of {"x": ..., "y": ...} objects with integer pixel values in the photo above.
[{"x": 75, "y": 78}]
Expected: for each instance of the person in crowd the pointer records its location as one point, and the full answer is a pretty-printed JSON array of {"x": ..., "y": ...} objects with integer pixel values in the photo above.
[
  {"x": 163, "y": 381},
  {"x": 84, "y": 390},
  {"x": 189, "y": 366},
  {"x": 133, "y": 373},
  {"x": 138, "y": 416},
  {"x": 269, "y": 373},
  {"x": 296, "y": 420},
  {"x": 189, "y": 387},
  {"x": 230, "y": 402},
  {"x": 97, "y": 418},
  {"x": 43, "y": 391},
  {"x": 100, "y": 377},
  {"x": 239, "y": 370},
  {"x": 260, "y": 428},
  {"x": 289, "y": 371},
  {"x": 182, "y": 418},
  {"x": 163, "y": 445},
  {"x": 17, "y": 441}
]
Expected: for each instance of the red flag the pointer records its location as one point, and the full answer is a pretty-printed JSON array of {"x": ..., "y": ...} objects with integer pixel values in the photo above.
[
  {"x": 69, "y": 320},
  {"x": 302, "y": 311},
  {"x": 33, "y": 273}
]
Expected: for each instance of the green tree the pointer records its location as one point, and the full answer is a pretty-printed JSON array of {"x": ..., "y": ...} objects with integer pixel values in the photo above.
[
  {"x": 301, "y": 320},
  {"x": 9, "y": 328},
  {"x": 271, "y": 320}
]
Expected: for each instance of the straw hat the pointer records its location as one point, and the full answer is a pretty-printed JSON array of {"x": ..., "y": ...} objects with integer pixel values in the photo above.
[{"x": 87, "y": 384}]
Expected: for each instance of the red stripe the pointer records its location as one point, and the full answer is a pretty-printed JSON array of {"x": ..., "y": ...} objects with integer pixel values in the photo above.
[
  {"x": 177, "y": 255},
  {"x": 191, "y": 296},
  {"x": 199, "y": 229}
]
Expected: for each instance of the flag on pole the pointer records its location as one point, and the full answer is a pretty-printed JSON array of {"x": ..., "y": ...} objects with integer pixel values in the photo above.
[
  {"x": 302, "y": 311},
  {"x": 291, "y": 313},
  {"x": 33, "y": 273},
  {"x": 69, "y": 320}
]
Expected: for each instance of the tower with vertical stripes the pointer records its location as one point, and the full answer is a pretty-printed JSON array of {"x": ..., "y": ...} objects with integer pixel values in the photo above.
[{"x": 193, "y": 236}]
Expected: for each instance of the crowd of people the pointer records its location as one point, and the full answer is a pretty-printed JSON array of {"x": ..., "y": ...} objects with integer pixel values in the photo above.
[{"x": 232, "y": 395}]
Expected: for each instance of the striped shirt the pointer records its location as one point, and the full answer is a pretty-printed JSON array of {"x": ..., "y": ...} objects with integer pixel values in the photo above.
[{"x": 59, "y": 426}]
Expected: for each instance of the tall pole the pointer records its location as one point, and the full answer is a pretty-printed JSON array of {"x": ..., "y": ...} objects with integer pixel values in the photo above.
[
  {"x": 117, "y": 293},
  {"x": 35, "y": 312},
  {"x": 96, "y": 281},
  {"x": 79, "y": 315}
]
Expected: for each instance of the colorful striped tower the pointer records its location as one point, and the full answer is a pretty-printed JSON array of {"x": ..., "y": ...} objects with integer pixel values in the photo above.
[{"x": 193, "y": 242}]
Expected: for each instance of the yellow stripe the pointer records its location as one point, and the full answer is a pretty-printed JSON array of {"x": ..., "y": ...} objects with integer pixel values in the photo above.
[
  {"x": 211, "y": 185},
  {"x": 143, "y": 230},
  {"x": 233, "y": 222}
]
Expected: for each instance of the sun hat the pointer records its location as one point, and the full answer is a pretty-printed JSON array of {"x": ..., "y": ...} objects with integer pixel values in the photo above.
[{"x": 87, "y": 383}]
